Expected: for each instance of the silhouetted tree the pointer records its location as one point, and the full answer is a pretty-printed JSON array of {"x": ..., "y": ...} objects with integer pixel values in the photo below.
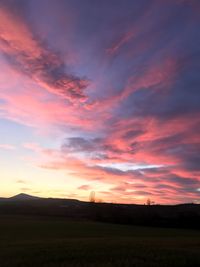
[
  {"x": 149, "y": 202},
  {"x": 92, "y": 197}
]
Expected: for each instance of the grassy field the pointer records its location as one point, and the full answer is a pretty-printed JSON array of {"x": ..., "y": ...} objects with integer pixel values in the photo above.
[{"x": 26, "y": 241}]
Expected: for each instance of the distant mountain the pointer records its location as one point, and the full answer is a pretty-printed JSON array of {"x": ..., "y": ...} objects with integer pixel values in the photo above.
[
  {"x": 23, "y": 196},
  {"x": 27, "y": 197}
]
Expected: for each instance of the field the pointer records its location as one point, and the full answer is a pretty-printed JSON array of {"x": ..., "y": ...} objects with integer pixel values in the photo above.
[{"x": 51, "y": 242}]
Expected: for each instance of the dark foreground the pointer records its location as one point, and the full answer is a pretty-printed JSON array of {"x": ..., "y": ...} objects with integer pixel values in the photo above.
[{"x": 28, "y": 241}]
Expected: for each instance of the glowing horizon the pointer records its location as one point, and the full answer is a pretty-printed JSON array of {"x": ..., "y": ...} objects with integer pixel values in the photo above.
[{"x": 100, "y": 96}]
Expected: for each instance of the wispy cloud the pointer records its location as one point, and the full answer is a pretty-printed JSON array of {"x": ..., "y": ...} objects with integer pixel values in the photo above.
[
  {"x": 30, "y": 56},
  {"x": 7, "y": 147}
]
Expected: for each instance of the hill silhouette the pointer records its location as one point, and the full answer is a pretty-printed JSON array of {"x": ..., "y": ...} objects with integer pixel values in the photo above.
[
  {"x": 23, "y": 196},
  {"x": 183, "y": 215}
]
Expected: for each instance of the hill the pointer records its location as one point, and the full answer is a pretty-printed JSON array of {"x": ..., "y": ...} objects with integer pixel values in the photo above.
[
  {"x": 184, "y": 215},
  {"x": 23, "y": 197}
]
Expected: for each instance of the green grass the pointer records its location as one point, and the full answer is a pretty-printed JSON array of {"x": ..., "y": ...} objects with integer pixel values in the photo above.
[{"x": 28, "y": 242}]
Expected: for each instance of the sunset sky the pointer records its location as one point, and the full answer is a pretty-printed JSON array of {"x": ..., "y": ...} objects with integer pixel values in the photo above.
[{"x": 100, "y": 95}]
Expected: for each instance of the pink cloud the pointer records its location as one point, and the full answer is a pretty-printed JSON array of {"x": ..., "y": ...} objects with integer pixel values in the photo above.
[
  {"x": 33, "y": 59},
  {"x": 7, "y": 147},
  {"x": 122, "y": 41},
  {"x": 84, "y": 187},
  {"x": 139, "y": 109}
]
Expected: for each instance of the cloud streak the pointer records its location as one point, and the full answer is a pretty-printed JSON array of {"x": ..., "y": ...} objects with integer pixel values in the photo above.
[{"x": 29, "y": 55}]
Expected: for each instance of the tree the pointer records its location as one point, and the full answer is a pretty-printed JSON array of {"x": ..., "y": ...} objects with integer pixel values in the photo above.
[
  {"x": 92, "y": 197},
  {"x": 149, "y": 202}
]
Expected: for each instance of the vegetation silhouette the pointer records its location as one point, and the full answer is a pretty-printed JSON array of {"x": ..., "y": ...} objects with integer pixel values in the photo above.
[{"x": 183, "y": 215}]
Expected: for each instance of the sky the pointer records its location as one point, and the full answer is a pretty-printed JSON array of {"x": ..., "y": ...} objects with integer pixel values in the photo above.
[{"x": 100, "y": 96}]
